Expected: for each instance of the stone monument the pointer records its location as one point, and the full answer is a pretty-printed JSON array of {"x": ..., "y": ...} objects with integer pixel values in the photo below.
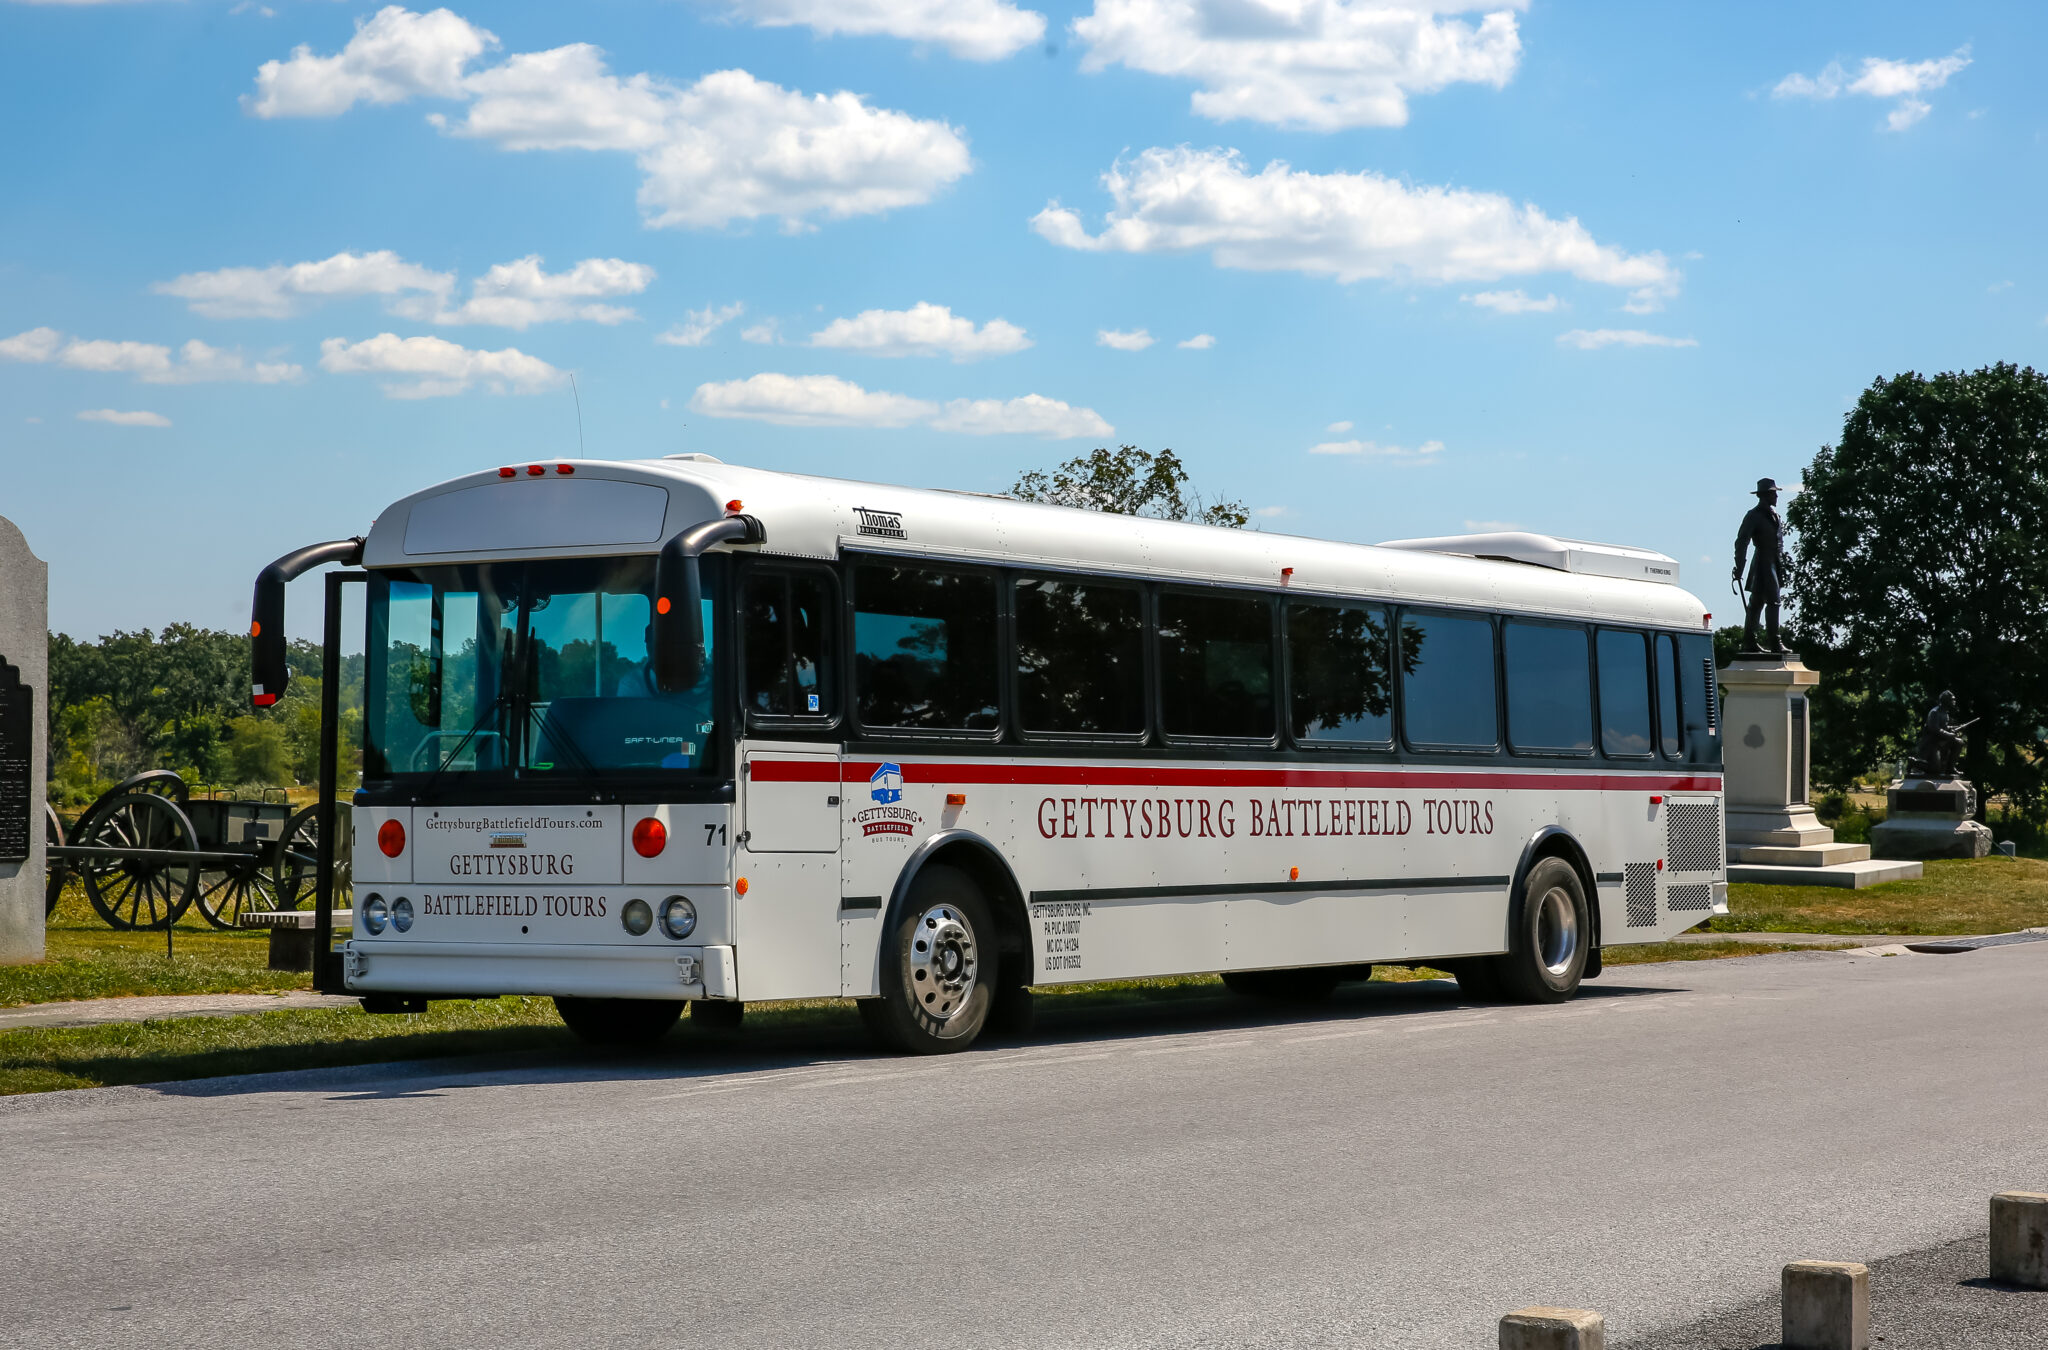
[
  {"x": 1773, "y": 834},
  {"x": 24, "y": 752},
  {"x": 1929, "y": 811}
]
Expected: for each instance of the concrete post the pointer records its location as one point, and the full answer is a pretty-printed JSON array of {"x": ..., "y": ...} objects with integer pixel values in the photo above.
[
  {"x": 24, "y": 748},
  {"x": 1826, "y": 1306},
  {"x": 1553, "y": 1329},
  {"x": 2019, "y": 1239}
]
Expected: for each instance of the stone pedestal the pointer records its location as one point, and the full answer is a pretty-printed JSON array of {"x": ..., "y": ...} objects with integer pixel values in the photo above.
[
  {"x": 1930, "y": 818},
  {"x": 24, "y": 752},
  {"x": 1773, "y": 835}
]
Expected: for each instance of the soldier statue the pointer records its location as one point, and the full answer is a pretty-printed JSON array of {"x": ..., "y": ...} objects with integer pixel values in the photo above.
[
  {"x": 1941, "y": 741},
  {"x": 1767, "y": 568}
]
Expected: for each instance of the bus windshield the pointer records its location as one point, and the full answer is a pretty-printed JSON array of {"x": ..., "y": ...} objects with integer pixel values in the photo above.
[{"x": 526, "y": 671}]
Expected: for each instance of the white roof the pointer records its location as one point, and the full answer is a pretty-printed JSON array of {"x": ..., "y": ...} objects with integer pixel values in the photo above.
[
  {"x": 620, "y": 507},
  {"x": 1546, "y": 550}
]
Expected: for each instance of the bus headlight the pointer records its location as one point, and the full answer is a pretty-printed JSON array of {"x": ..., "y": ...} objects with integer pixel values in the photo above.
[
  {"x": 637, "y": 917},
  {"x": 375, "y": 915},
  {"x": 401, "y": 914},
  {"x": 678, "y": 917}
]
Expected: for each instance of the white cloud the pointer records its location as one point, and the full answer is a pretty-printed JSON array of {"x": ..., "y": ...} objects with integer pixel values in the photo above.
[
  {"x": 150, "y": 362},
  {"x": 1346, "y": 225},
  {"x": 1338, "y": 428},
  {"x": 282, "y": 290},
  {"x": 125, "y": 419},
  {"x": 1879, "y": 78},
  {"x": 432, "y": 367},
  {"x": 1512, "y": 302},
  {"x": 395, "y": 55},
  {"x": 808, "y": 401},
  {"x": 521, "y": 293},
  {"x": 973, "y": 30},
  {"x": 1031, "y": 415},
  {"x": 1200, "y": 342},
  {"x": 1420, "y": 454},
  {"x": 767, "y": 333},
  {"x": 1591, "y": 339},
  {"x": 1137, "y": 340},
  {"x": 699, "y": 324},
  {"x": 1315, "y": 64},
  {"x": 924, "y": 329},
  {"x": 1270, "y": 512},
  {"x": 828, "y": 401}
]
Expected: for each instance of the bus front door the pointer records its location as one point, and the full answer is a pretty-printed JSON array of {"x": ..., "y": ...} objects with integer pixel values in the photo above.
[{"x": 787, "y": 922}]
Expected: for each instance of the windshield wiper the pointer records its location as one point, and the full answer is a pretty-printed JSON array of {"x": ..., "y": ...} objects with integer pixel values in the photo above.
[{"x": 489, "y": 712}]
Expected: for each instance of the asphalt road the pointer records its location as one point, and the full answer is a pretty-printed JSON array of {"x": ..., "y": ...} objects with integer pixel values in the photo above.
[{"x": 1396, "y": 1169}]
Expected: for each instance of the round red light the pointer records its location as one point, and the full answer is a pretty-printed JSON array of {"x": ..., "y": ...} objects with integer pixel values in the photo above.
[
  {"x": 391, "y": 838},
  {"x": 565, "y": 468},
  {"x": 733, "y": 505},
  {"x": 661, "y": 605},
  {"x": 650, "y": 837},
  {"x": 534, "y": 471},
  {"x": 508, "y": 473}
]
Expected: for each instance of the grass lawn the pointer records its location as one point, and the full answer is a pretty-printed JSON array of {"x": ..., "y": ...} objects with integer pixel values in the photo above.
[
  {"x": 1957, "y": 895},
  {"x": 87, "y": 959}
]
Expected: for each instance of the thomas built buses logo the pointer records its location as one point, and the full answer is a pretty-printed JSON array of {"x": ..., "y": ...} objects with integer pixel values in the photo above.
[
  {"x": 888, "y": 815},
  {"x": 508, "y": 839}
]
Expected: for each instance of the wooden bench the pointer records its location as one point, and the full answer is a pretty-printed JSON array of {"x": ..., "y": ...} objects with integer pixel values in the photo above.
[{"x": 291, "y": 934}]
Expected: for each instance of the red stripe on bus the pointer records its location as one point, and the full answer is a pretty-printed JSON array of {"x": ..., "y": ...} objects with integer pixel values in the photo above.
[{"x": 1098, "y": 775}]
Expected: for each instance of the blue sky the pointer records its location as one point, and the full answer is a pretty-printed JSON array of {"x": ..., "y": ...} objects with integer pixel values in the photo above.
[{"x": 1588, "y": 269}]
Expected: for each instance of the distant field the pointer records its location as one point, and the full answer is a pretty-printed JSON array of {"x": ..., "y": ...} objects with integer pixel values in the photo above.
[{"x": 1957, "y": 895}]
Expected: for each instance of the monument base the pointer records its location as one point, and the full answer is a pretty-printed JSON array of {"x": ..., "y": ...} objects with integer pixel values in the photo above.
[{"x": 1930, "y": 818}]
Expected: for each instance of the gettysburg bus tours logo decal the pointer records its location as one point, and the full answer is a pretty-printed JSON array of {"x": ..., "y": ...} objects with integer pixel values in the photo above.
[{"x": 888, "y": 815}]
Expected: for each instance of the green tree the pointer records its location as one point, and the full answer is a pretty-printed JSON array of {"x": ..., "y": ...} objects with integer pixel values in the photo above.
[
  {"x": 1128, "y": 481},
  {"x": 1921, "y": 564},
  {"x": 257, "y": 753}
]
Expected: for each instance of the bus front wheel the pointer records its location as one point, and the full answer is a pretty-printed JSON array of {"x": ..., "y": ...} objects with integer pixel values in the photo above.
[
  {"x": 938, "y": 967},
  {"x": 1550, "y": 934},
  {"x": 619, "y": 1021}
]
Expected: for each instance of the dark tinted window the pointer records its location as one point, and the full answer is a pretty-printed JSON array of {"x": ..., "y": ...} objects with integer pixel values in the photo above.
[
  {"x": 1338, "y": 671},
  {"x": 1216, "y": 665},
  {"x": 1447, "y": 687},
  {"x": 1080, "y": 657},
  {"x": 1699, "y": 708},
  {"x": 788, "y": 645},
  {"x": 1624, "y": 693},
  {"x": 1550, "y": 691},
  {"x": 924, "y": 647},
  {"x": 1667, "y": 693}
]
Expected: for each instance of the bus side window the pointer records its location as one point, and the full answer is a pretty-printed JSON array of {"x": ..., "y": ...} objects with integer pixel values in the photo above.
[
  {"x": 1624, "y": 694},
  {"x": 1080, "y": 657},
  {"x": 924, "y": 647},
  {"x": 1699, "y": 706},
  {"x": 1667, "y": 695},
  {"x": 1216, "y": 666},
  {"x": 787, "y": 645},
  {"x": 1339, "y": 674},
  {"x": 1447, "y": 682},
  {"x": 1550, "y": 689}
]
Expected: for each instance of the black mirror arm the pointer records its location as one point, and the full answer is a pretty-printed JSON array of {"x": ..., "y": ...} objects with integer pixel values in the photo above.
[
  {"x": 268, "y": 672},
  {"x": 679, "y": 597}
]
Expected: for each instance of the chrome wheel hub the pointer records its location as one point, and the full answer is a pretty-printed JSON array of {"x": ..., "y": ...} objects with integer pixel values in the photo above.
[
  {"x": 944, "y": 962},
  {"x": 1557, "y": 930}
]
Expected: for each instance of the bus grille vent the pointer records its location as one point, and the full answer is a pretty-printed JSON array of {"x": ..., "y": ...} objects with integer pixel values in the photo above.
[
  {"x": 1639, "y": 886},
  {"x": 1696, "y": 895},
  {"x": 1694, "y": 830}
]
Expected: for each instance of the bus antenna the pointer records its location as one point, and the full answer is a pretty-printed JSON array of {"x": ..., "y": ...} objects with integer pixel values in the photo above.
[{"x": 579, "y": 415}]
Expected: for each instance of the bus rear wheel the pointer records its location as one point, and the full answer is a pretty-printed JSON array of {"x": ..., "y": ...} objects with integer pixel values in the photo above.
[
  {"x": 1550, "y": 934},
  {"x": 938, "y": 968},
  {"x": 619, "y": 1021}
]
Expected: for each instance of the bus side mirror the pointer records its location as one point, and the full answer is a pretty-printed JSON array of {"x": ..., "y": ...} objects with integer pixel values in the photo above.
[
  {"x": 679, "y": 599},
  {"x": 268, "y": 673}
]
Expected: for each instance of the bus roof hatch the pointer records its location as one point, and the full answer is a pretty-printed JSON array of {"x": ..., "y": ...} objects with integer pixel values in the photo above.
[{"x": 1543, "y": 550}]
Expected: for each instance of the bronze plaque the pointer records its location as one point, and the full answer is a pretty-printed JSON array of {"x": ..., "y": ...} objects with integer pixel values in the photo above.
[{"x": 17, "y": 763}]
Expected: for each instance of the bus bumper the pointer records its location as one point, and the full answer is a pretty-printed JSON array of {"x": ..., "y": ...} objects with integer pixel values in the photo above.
[{"x": 488, "y": 969}]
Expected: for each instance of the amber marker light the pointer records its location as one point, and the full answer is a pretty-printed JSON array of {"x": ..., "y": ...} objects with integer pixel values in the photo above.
[
  {"x": 740, "y": 887},
  {"x": 650, "y": 837},
  {"x": 1294, "y": 874},
  {"x": 956, "y": 799},
  {"x": 391, "y": 839},
  {"x": 733, "y": 505},
  {"x": 661, "y": 605}
]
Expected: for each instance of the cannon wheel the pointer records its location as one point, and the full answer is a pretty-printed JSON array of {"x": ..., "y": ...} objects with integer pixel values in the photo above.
[
  {"x": 156, "y": 782},
  {"x": 296, "y": 869},
  {"x": 55, "y": 870},
  {"x": 223, "y": 897},
  {"x": 139, "y": 892}
]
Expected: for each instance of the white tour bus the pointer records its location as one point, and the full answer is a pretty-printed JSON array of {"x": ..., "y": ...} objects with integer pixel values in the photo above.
[{"x": 642, "y": 734}]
